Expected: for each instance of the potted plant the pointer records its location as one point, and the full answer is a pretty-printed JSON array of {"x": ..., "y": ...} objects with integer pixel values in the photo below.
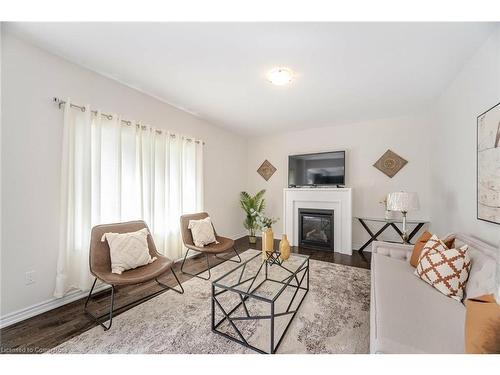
[
  {"x": 265, "y": 224},
  {"x": 253, "y": 206}
]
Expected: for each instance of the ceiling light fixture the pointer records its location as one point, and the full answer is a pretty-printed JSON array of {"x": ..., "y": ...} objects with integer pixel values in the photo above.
[{"x": 280, "y": 76}]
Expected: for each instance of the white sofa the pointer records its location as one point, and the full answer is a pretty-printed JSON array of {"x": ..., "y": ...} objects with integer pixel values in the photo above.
[{"x": 409, "y": 316}]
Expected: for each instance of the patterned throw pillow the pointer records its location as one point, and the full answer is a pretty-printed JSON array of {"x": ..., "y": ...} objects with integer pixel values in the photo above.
[
  {"x": 202, "y": 231},
  {"x": 445, "y": 269},
  {"x": 128, "y": 250},
  {"x": 420, "y": 243}
]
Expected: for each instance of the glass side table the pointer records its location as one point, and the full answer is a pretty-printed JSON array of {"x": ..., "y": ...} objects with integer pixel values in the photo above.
[{"x": 388, "y": 223}]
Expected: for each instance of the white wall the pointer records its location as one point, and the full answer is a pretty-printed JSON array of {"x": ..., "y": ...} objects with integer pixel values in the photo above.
[
  {"x": 1, "y": 167},
  {"x": 365, "y": 143},
  {"x": 440, "y": 148},
  {"x": 31, "y": 149},
  {"x": 473, "y": 91}
]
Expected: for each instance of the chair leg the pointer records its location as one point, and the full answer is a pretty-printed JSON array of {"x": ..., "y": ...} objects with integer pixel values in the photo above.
[
  {"x": 196, "y": 274},
  {"x": 168, "y": 287},
  {"x": 98, "y": 319},
  {"x": 231, "y": 260}
]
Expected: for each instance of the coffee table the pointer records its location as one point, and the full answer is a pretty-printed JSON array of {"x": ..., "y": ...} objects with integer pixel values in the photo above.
[{"x": 255, "y": 303}]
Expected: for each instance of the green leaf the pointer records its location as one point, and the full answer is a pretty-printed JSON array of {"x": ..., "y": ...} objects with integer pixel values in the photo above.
[{"x": 253, "y": 206}]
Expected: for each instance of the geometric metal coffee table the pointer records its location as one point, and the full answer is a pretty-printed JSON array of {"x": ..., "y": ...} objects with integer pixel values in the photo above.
[{"x": 255, "y": 303}]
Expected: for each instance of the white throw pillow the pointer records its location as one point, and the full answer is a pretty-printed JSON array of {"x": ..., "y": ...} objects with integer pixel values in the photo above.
[
  {"x": 202, "y": 231},
  {"x": 128, "y": 250}
]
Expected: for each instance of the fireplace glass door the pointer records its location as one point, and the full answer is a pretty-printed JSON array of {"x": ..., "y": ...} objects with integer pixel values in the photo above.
[{"x": 316, "y": 228}]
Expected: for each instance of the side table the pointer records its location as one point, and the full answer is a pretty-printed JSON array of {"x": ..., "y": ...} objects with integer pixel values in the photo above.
[{"x": 386, "y": 224}]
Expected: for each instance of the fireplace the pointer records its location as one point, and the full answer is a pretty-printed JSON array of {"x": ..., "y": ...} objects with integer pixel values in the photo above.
[
  {"x": 316, "y": 228},
  {"x": 337, "y": 199}
]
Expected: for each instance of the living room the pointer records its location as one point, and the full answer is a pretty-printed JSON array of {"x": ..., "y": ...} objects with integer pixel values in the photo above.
[{"x": 250, "y": 187}]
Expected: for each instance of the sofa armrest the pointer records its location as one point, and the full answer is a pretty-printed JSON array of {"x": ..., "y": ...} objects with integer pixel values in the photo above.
[{"x": 392, "y": 250}]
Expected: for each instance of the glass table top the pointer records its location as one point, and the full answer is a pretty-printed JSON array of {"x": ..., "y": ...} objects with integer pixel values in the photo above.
[
  {"x": 248, "y": 277},
  {"x": 397, "y": 220}
]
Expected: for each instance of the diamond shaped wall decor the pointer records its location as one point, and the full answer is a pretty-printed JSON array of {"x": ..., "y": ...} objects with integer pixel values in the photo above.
[
  {"x": 390, "y": 163},
  {"x": 266, "y": 170}
]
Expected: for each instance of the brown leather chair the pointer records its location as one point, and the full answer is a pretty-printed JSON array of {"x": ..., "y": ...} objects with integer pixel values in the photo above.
[
  {"x": 224, "y": 244},
  {"x": 100, "y": 267}
]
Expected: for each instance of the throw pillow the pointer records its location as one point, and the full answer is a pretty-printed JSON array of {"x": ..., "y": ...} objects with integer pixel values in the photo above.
[
  {"x": 482, "y": 325},
  {"x": 445, "y": 269},
  {"x": 417, "y": 248},
  {"x": 128, "y": 250},
  {"x": 420, "y": 243},
  {"x": 202, "y": 231}
]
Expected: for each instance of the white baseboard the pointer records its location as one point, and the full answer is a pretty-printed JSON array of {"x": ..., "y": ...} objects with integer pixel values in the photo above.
[
  {"x": 239, "y": 235},
  {"x": 39, "y": 308}
]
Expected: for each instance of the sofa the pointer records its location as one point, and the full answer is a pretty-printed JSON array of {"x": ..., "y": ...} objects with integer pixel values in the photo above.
[{"x": 408, "y": 315}]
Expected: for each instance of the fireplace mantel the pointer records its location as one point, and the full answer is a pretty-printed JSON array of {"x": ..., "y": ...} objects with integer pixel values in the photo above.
[{"x": 338, "y": 199}]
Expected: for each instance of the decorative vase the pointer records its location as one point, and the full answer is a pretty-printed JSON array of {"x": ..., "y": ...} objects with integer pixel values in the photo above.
[
  {"x": 252, "y": 239},
  {"x": 267, "y": 243},
  {"x": 284, "y": 248},
  {"x": 388, "y": 215}
]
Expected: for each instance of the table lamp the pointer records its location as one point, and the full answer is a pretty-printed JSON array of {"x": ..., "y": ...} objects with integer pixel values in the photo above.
[{"x": 403, "y": 202}]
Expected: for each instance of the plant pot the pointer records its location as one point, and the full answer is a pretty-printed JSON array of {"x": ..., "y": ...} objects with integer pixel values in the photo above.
[
  {"x": 252, "y": 240},
  {"x": 267, "y": 243}
]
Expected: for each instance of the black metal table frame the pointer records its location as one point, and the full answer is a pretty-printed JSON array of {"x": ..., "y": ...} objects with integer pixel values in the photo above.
[
  {"x": 249, "y": 293},
  {"x": 373, "y": 237}
]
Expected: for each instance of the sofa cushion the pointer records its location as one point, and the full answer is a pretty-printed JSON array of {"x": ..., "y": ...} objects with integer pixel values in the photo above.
[
  {"x": 410, "y": 316},
  {"x": 482, "y": 274}
]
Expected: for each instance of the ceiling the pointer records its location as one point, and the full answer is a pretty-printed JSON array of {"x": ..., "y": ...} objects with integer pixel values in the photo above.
[{"x": 346, "y": 72}]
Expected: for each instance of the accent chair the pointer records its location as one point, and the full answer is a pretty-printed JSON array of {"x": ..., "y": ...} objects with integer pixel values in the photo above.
[
  {"x": 100, "y": 268},
  {"x": 224, "y": 244}
]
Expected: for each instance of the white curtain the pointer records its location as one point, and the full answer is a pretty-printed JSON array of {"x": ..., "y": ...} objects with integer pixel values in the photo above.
[{"x": 112, "y": 172}]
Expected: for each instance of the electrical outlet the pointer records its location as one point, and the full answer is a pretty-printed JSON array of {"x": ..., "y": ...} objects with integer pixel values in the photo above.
[{"x": 29, "y": 277}]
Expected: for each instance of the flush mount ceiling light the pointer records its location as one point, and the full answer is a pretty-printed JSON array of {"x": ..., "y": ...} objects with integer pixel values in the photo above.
[{"x": 280, "y": 76}]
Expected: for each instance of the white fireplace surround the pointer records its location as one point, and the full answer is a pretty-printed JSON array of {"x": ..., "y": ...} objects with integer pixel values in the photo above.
[{"x": 337, "y": 199}]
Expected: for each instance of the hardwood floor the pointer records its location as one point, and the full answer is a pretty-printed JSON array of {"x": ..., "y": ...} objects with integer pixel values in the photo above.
[{"x": 47, "y": 330}]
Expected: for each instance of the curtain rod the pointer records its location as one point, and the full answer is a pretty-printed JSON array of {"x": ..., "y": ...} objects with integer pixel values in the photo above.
[{"x": 61, "y": 102}]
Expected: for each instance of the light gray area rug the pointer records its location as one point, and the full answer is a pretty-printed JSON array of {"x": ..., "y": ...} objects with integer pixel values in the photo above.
[{"x": 333, "y": 318}]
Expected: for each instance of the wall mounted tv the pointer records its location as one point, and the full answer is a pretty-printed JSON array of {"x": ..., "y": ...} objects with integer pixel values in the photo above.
[{"x": 320, "y": 169}]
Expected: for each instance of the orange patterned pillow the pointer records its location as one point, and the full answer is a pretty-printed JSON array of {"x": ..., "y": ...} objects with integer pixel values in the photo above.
[{"x": 445, "y": 269}]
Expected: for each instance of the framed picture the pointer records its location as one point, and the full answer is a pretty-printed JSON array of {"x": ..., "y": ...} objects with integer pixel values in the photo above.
[{"x": 488, "y": 165}]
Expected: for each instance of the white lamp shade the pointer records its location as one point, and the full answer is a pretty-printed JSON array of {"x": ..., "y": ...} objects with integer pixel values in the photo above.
[{"x": 402, "y": 201}]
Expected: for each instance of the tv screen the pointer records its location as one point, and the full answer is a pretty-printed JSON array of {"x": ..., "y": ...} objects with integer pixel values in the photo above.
[{"x": 325, "y": 168}]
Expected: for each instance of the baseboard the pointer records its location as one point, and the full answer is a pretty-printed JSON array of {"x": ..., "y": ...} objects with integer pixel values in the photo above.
[
  {"x": 356, "y": 247},
  {"x": 39, "y": 308},
  {"x": 238, "y": 236}
]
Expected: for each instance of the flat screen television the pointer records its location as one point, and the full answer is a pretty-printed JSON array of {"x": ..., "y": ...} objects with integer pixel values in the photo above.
[{"x": 320, "y": 169}]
